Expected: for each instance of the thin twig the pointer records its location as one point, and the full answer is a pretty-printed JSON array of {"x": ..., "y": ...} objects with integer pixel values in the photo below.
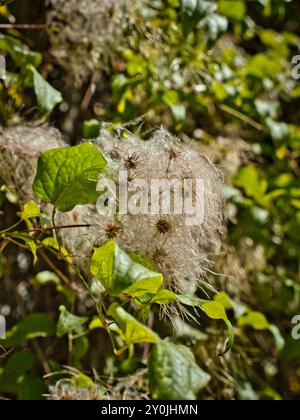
[
  {"x": 90, "y": 92},
  {"x": 23, "y": 26},
  {"x": 42, "y": 357},
  {"x": 55, "y": 269},
  {"x": 243, "y": 117},
  {"x": 54, "y": 228}
]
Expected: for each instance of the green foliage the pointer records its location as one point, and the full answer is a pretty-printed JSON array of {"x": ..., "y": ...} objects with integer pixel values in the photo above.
[
  {"x": 30, "y": 210},
  {"x": 233, "y": 9},
  {"x": 174, "y": 374},
  {"x": 33, "y": 326},
  {"x": 47, "y": 96},
  {"x": 67, "y": 177},
  {"x": 133, "y": 332},
  {"x": 120, "y": 275},
  {"x": 91, "y": 129},
  {"x": 69, "y": 323},
  {"x": 24, "y": 75},
  {"x": 19, "y": 52}
]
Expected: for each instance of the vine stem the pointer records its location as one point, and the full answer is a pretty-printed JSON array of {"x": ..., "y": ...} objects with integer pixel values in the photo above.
[
  {"x": 54, "y": 228},
  {"x": 55, "y": 269},
  {"x": 99, "y": 311},
  {"x": 42, "y": 357},
  {"x": 11, "y": 227}
]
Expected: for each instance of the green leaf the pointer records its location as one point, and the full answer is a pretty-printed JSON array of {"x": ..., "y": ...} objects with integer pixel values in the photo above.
[
  {"x": 224, "y": 299},
  {"x": 233, "y": 9},
  {"x": 174, "y": 373},
  {"x": 34, "y": 326},
  {"x": 30, "y": 389},
  {"x": 19, "y": 52},
  {"x": 291, "y": 350},
  {"x": 30, "y": 210},
  {"x": 27, "y": 239},
  {"x": 53, "y": 243},
  {"x": 215, "y": 310},
  {"x": 68, "y": 176},
  {"x": 81, "y": 347},
  {"x": 69, "y": 323},
  {"x": 164, "y": 297},
  {"x": 190, "y": 300},
  {"x": 91, "y": 129},
  {"x": 249, "y": 180},
  {"x": 262, "y": 66},
  {"x": 83, "y": 381},
  {"x": 119, "y": 274},
  {"x": 95, "y": 324},
  {"x": 133, "y": 331},
  {"x": 47, "y": 96},
  {"x": 33, "y": 248},
  {"x": 17, "y": 365},
  {"x": 256, "y": 320},
  {"x": 278, "y": 338}
]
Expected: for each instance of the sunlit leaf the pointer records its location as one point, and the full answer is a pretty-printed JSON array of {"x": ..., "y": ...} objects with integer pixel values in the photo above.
[
  {"x": 133, "y": 331},
  {"x": 30, "y": 210},
  {"x": 120, "y": 275},
  {"x": 215, "y": 310},
  {"x": 19, "y": 52},
  {"x": 233, "y": 9},
  {"x": 256, "y": 320},
  {"x": 68, "y": 176}
]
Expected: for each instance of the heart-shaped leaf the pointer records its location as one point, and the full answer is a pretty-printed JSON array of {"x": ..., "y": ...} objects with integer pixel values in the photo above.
[{"x": 68, "y": 176}]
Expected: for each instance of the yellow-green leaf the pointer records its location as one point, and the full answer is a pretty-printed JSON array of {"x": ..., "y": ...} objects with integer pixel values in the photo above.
[{"x": 120, "y": 275}]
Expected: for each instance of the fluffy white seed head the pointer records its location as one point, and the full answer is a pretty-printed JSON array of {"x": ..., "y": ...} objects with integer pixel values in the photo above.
[
  {"x": 81, "y": 32},
  {"x": 20, "y": 148},
  {"x": 179, "y": 250}
]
